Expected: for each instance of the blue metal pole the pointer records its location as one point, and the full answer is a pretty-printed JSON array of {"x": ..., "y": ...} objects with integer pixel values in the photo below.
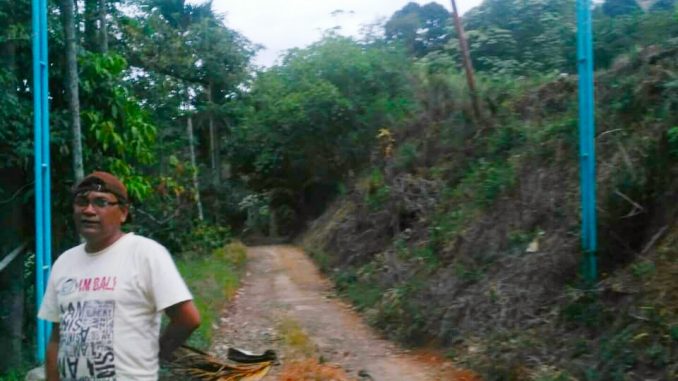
[
  {"x": 587, "y": 138},
  {"x": 47, "y": 181},
  {"x": 43, "y": 238}
]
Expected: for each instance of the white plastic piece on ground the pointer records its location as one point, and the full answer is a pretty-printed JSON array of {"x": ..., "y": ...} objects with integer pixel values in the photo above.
[
  {"x": 533, "y": 247},
  {"x": 36, "y": 374}
]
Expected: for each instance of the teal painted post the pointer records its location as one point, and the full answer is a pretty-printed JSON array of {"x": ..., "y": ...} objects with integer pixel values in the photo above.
[
  {"x": 587, "y": 149},
  {"x": 43, "y": 233}
]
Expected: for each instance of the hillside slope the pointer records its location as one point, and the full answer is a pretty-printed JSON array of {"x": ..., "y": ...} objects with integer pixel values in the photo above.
[{"x": 468, "y": 240}]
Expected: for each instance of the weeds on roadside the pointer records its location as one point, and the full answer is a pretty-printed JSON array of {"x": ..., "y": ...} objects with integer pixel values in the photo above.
[{"x": 213, "y": 279}]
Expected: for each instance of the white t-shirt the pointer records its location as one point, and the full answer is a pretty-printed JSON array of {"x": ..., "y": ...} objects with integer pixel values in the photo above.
[{"x": 108, "y": 305}]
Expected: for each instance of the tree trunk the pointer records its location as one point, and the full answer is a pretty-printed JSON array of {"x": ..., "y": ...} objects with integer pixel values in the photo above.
[
  {"x": 72, "y": 86},
  {"x": 103, "y": 30},
  {"x": 468, "y": 65},
  {"x": 91, "y": 32},
  {"x": 214, "y": 140},
  {"x": 196, "y": 183}
]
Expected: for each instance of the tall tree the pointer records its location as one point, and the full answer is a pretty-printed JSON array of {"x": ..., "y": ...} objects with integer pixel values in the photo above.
[
  {"x": 314, "y": 118},
  {"x": 420, "y": 28},
  {"x": 72, "y": 91},
  {"x": 621, "y": 7},
  {"x": 91, "y": 32},
  {"x": 521, "y": 36},
  {"x": 663, "y": 5},
  {"x": 103, "y": 27}
]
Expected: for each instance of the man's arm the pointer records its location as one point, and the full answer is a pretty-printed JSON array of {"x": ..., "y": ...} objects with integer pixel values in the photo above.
[
  {"x": 184, "y": 319},
  {"x": 51, "y": 370}
]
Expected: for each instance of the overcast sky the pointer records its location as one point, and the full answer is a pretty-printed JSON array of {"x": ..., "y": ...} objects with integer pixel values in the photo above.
[{"x": 283, "y": 24}]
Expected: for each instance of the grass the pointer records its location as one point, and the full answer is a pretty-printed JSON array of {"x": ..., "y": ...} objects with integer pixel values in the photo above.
[
  {"x": 15, "y": 374},
  {"x": 295, "y": 338},
  {"x": 304, "y": 365},
  {"x": 213, "y": 279}
]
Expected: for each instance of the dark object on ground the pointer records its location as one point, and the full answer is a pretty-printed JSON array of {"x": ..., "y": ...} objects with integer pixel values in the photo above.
[{"x": 241, "y": 356}]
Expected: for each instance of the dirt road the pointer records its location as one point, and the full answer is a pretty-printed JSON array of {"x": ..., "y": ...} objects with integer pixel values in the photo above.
[{"x": 285, "y": 304}]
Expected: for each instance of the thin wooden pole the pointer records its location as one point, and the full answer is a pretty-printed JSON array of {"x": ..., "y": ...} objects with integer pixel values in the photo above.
[{"x": 466, "y": 56}]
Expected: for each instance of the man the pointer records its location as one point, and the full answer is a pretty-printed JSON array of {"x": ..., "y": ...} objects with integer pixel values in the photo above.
[{"x": 105, "y": 296}]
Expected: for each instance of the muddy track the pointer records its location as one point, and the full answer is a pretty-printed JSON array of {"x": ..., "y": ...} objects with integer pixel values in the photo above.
[{"x": 285, "y": 304}]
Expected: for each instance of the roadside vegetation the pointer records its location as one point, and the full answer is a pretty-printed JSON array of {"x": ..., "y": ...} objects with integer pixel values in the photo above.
[
  {"x": 464, "y": 234},
  {"x": 213, "y": 280}
]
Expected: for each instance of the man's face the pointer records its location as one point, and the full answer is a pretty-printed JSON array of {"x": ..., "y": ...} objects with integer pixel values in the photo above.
[{"x": 98, "y": 215}]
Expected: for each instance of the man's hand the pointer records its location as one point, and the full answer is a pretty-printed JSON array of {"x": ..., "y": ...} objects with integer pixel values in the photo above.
[
  {"x": 184, "y": 319},
  {"x": 51, "y": 370}
]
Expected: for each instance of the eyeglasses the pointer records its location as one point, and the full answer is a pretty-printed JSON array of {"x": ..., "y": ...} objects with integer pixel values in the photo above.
[{"x": 97, "y": 202}]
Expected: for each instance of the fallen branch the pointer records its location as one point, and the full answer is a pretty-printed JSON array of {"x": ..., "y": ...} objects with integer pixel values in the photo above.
[
  {"x": 155, "y": 220},
  {"x": 653, "y": 240},
  {"x": 637, "y": 208},
  {"x": 10, "y": 257},
  {"x": 16, "y": 194}
]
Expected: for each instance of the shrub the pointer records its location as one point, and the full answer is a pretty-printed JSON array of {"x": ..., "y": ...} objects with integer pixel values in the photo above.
[
  {"x": 203, "y": 238},
  {"x": 673, "y": 141},
  {"x": 378, "y": 192},
  {"x": 406, "y": 156}
]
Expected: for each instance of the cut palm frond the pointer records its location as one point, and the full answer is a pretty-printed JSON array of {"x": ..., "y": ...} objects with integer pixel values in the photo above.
[{"x": 198, "y": 365}]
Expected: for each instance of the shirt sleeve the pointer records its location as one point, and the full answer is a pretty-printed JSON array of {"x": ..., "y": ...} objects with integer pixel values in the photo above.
[
  {"x": 49, "y": 309},
  {"x": 166, "y": 286}
]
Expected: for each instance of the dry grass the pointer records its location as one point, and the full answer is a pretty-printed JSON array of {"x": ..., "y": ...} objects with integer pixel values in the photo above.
[
  {"x": 305, "y": 367},
  {"x": 312, "y": 370},
  {"x": 295, "y": 338}
]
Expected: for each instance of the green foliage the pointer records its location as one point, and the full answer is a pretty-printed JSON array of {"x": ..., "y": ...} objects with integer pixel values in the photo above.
[
  {"x": 213, "y": 280},
  {"x": 378, "y": 192},
  {"x": 119, "y": 134},
  {"x": 16, "y": 143},
  {"x": 583, "y": 309},
  {"x": 506, "y": 139},
  {"x": 520, "y": 37},
  {"x": 420, "y": 28},
  {"x": 643, "y": 269},
  {"x": 204, "y": 238},
  {"x": 428, "y": 256},
  {"x": 467, "y": 273},
  {"x": 399, "y": 312},
  {"x": 663, "y": 5},
  {"x": 357, "y": 287},
  {"x": 620, "y": 7},
  {"x": 314, "y": 118},
  {"x": 622, "y": 34},
  {"x": 258, "y": 213},
  {"x": 485, "y": 181},
  {"x": 14, "y": 375},
  {"x": 406, "y": 156},
  {"x": 673, "y": 141},
  {"x": 320, "y": 257},
  {"x": 16, "y": 134}
]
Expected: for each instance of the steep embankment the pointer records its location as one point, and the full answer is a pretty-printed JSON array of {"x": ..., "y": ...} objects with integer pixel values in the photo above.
[{"x": 470, "y": 241}]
